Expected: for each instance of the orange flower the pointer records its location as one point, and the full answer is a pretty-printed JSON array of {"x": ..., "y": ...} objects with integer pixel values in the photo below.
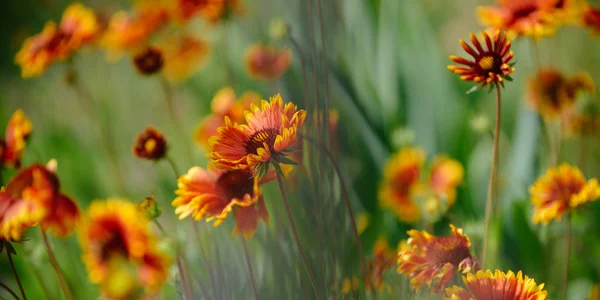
[
  {"x": 214, "y": 194},
  {"x": 498, "y": 285},
  {"x": 266, "y": 62},
  {"x": 401, "y": 176},
  {"x": 127, "y": 31},
  {"x": 150, "y": 144},
  {"x": 149, "y": 61},
  {"x": 445, "y": 175},
  {"x": 384, "y": 258},
  {"x": 435, "y": 259},
  {"x": 184, "y": 57},
  {"x": 224, "y": 104},
  {"x": 551, "y": 93},
  {"x": 490, "y": 65},
  {"x": 560, "y": 189},
  {"x": 591, "y": 19},
  {"x": 268, "y": 136},
  {"x": 211, "y": 10},
  {"x": 533, "y": 18},
  {"x": 17, "y": 131},
  {"x": 119, "y": 250},
  {"x": 78, "y": 27},
  {"x": 575, "y": 123}
]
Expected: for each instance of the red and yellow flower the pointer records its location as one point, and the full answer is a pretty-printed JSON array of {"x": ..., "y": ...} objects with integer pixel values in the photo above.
[
  {"x": 79, "y": 26},
  {"x": 551, "y": 93},
  {"x": 490, "y": 65},
  {"x": 13, "y": 146},
  {"x": 150, "y": 144},
  {"x": 497, "y": 285},
  {"x": 591, "y": 19},
  {"x": 267, "y": 62},
  {"x": 224, "y": 104},
  {"x": 445, "y": 175},
  {"x": 211, "y": 10},
  {"x": 434, "y": 260},
  {"x": 400, "y": 179},
  {"x": 119, "y": 250},
  {"x": 269, "y": 135},
  {"x": 535, "y": 18},
  {"x": 214, "y": 194},
  {"x": 31, "y": 197},
  {"x": 561, "y": 189},
  {"x": 184, "y": 56},
  {"x": 384, "y": 259}
]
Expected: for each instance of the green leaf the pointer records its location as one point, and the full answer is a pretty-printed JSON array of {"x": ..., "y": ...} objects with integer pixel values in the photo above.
[
  {"x": 284, "y": 160},
  {"x": 277, "y": 167}
]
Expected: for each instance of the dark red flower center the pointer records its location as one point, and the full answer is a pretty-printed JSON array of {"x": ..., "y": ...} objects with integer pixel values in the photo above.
[
  {"x": 115, "y": 246},
  {"x": 403, "y": 181},
  {"x": 259, "y": 138},
  {"x": 236, "y": 184},
  {"x": 524, "y": 12},
  {"x": 448, "y": 249}
]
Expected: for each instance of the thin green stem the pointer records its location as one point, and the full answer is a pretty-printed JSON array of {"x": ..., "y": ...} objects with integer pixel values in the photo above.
[
  {"x": 205, "y": 260},
  {"x": 9, "y": 290},
  {"x": 169, "y": 102},
  {"x": 12, "y": 265},
  {"x": 184, "y": 283},
  {"x": 303, "y": 67},
  {"x": 173, "y": 167},
  {"x": 295, "y": 234},
  {"x": 61, "y": 279},
  {"x": 568, "y": 237},
  {"x": 250, "y": 271},
  {"x": 490, "y": 195}
]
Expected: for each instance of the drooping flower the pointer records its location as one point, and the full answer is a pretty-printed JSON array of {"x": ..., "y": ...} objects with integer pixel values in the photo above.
[
  {"x": 266, "y": 62},
  {"x": 184, "y": 56},
  {"x": 213, "y": 194},
  {"x": 498, "y": 286},
  {"x": 212, "y": 10},
  {"x": 533, "y": 18},
  {"x": 224, "y": 104},
  {"x": 551, "y": 93},
  {"x": 269, "y": 135},
  {"x": 561, "y": 189},
  {"x": 491, "y": 65},
  {"x": 591, "y": 19},
  {"x": 127, "y": 31},
  {"x": 33, "y": 196},
  {"x": 434, "y": 260},
  {"x": 17, "y": 131},
  {"x": 401, "y": 176},
  {"x": 148, "y": 61},
  {"x": 119, "y": 250},
  {"x": 150, "y": 144},
  {"x": 79, "y": 26}
]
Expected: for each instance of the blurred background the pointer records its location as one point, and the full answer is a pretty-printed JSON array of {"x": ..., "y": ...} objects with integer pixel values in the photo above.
[{"x": 388, "y": 80}]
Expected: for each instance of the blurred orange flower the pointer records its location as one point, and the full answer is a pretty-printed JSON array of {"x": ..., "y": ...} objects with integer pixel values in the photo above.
[
  {"x": 119, "y": 250},
  {"x": 384, "y": 259},
  {"x": 148, "y": 61},
  {"x": 224, "y": 103},
  {"x": 266, "y": 62},
  {"x": 126, "y": 31},
  {"x": 214, "y": 194},
  {"x": 591, "y": 19},
  {"x": 498, "y": 285},
  {"x": 575, "y": 123},
  {"x": 490, "y": 65},
  {"x": 183, "y": 56},
  {"x": 533, "y": 18},
  {"x": 269, "y": 135},
  {"x": 445, "y": 175},
  {"x": 560, "y": 189},
  {"x": 211, "y": 10},
  {"x": 435, "y": 259},
  {"x": 551, "y": 93},
  {"x": 17, "y": 131},
  {"x": 78, "y": 27},
  {"x": 150, "y": 144},
  {"x": 401, "y": 177}
]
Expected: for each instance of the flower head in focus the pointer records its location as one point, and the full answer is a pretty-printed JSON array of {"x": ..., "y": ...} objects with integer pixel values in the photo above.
[
  {"x": 535, "y": 18},
  {"x": 78, "y": 27},
  {"x": 148, "y": 61},
  {"x": 490, "y": 65},
  {"x": 497, "y": 285},
  {"x": 434, "y": 260},
  {"x": 213, "y": 194},
  {"x": 268, "y": 137},
  {"x": 401, "y": 177},
  {"x": 150, "y": 144},
  {"x": 119, "y": 250},
  {"x": 224, "y": 104},
  {"x": 266, "y": 62},
  {"x": 551, "y": 93},
  {"x": 184, "y": 56},
  {"x": 562, "y": 188},
  {"x": 13, "y": 146}
]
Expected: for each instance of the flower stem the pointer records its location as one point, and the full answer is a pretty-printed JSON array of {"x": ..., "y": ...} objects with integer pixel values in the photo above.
[
  {"x": 303, "y": 67},
  {"x": 61, "y": 280},
  {"x": 178, "y": 126},
  {"x": 206, "y": 262},
  {"x": 9, "y": 290},
  {"x": 489, "y": 203},
  {"x": 250, "y": 271},
  {"x": 173, "y": 167},
  {"x": 12, "y": 265},
  {"x": 187, "y": 295},
  {"x": 295, "y": 233},
  {"x": 568, "y": 238}
]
